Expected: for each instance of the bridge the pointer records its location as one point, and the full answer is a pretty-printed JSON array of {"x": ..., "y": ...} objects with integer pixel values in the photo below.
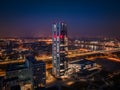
[
  {"x": 49, "y": 58},
  {"x": 95, "y": 52}
]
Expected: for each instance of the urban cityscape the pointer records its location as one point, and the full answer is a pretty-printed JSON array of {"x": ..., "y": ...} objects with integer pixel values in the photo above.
[{"x": 61, "y": 55}]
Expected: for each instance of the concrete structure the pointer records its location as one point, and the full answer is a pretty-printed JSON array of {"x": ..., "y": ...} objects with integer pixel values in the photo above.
[
  {"x": 83, "y": 65},
  {"x": 16, "y": 76},
  {"x": 82, "y": 69},
  {"x": 23, "y": 76},
  {"x": 59, "y": 49},
  {"x": 37, "y": 71}
]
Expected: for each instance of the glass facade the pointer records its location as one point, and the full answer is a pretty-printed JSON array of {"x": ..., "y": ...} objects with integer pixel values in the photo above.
[{"x": 59, "y": 48}]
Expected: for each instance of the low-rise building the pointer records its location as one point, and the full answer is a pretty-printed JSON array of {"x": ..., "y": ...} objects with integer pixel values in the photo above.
[
  {"x": 82, "y": 69},
  {"x": 82, "y": 65}
]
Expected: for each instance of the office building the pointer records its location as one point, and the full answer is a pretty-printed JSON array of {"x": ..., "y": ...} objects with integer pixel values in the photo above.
[
  {"x": 83, "y": 64},
  {"x": 59, "y": 49},
  {"x": 83, "y": 69},
  {"x": 38, "y": 72},
  {"x": 16, "y": 76}
]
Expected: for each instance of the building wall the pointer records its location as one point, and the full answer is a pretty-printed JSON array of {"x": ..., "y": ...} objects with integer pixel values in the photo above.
[
  {"x": 39, "y": 75},
  {"x": 59, "y": 48},
  {"x": 78, "y": 67},
  {"x": 38, "y": 72}
]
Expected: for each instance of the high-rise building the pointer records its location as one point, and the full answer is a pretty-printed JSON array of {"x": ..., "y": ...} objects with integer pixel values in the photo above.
[
  {"x": 59, "y": 49},
  {"x": 30, "y": 75},
  {"x": 38, "y": 72},
  {"x": 17, "y": 75}
]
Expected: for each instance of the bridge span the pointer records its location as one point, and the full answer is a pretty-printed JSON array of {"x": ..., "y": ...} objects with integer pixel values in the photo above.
[{"x": 49, "y": 58}]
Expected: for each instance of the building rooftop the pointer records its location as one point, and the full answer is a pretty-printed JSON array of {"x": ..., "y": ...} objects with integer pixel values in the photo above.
[
  {"x": 33, "y": 60},
  {"x": 12, "y": 67}
]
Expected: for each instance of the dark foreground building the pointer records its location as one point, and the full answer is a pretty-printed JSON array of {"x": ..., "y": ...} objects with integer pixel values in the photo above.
[{"x": 38, "y": 72}]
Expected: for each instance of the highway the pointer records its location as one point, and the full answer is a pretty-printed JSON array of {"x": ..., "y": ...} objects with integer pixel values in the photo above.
[{"x": 46, "y": 58}]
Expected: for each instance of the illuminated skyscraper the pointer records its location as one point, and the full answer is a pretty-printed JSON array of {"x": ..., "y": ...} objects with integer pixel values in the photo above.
[{"x": 59, "y": 49}]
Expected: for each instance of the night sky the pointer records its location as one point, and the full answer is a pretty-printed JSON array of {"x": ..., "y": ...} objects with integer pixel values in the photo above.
[{"x": 27, "y": 18}]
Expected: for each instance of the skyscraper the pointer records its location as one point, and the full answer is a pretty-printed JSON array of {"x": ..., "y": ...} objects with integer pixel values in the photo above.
[{"x": 59, "y": 49}]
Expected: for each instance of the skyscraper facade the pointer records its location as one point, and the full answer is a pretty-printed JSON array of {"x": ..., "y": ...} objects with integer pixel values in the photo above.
[{"x": 59, "y": 49}]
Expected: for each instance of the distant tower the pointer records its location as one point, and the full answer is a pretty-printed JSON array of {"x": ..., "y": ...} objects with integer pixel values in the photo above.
[{"x": 59, "y": 49}]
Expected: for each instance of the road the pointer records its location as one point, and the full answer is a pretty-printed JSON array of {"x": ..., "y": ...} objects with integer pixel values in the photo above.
[{"x": 48, "y": 58}]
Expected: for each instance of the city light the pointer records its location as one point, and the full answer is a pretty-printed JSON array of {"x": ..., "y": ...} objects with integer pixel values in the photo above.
[{"x": 60, "y": 45}]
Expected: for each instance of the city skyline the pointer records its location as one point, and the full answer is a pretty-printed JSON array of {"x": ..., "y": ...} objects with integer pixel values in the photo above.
[
  {"x": 83, "y": 18},
  {"x": 59, "y": 63}
]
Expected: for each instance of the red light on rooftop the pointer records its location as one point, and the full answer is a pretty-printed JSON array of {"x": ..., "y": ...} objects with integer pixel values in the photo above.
[
  {"x": 61, "y": 36},
  {"x": 55, "y": 36}
]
